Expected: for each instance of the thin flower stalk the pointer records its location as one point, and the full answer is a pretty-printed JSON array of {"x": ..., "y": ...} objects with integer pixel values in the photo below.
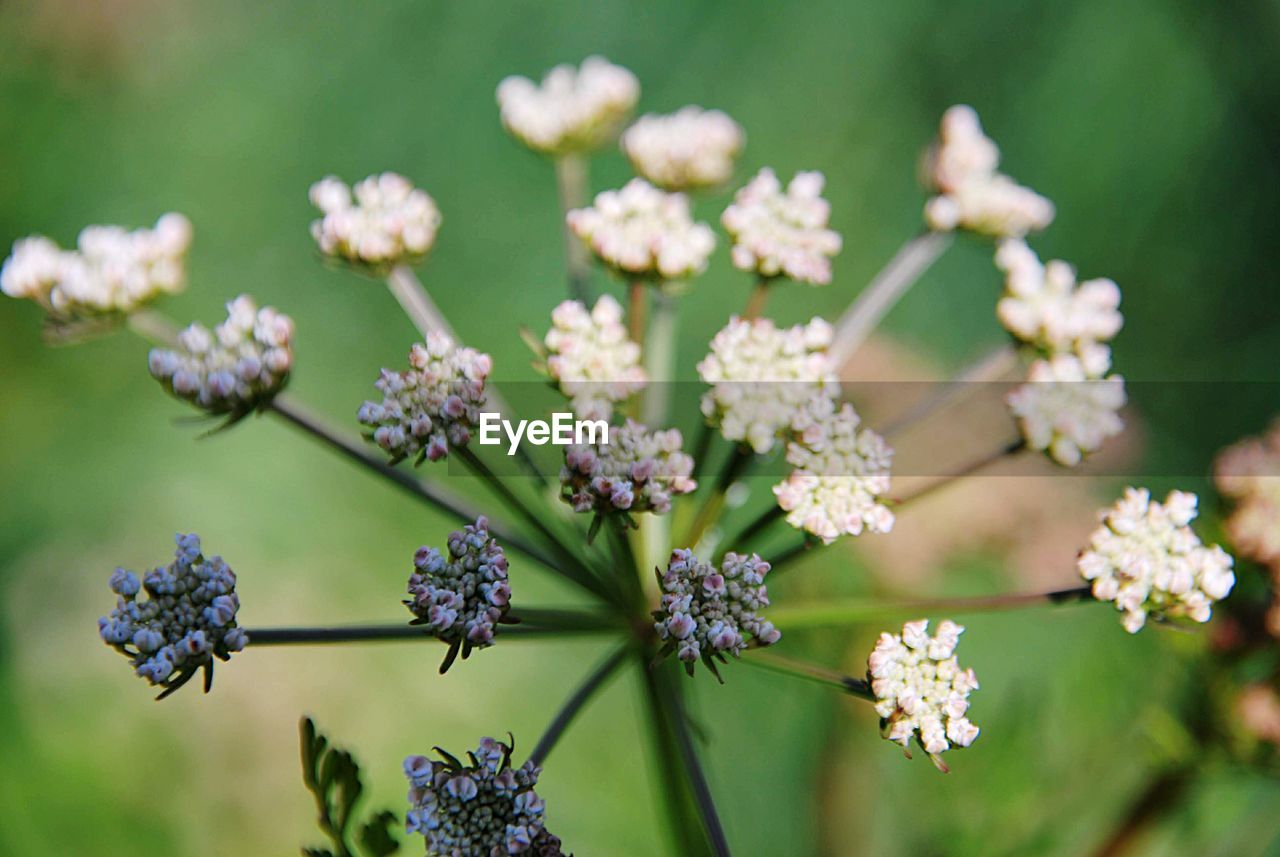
[
  {"x": 574, "y": 704},
  {"x": 759, "y": 296},
  {"x": 889, "y": 286},
  {"x": 637, "y": 309},
  {"x": 531, "y": 623},
  {"x": 811, "y": 672},
  {"x": 990, "y": 367},
  {"x": 734, "y": 468},
  {"x": 976, "y": 465},
  {"x": 571, "y": 187},
  {"x": 852, "y": 611},
  {"x": 655, "y": 406}
]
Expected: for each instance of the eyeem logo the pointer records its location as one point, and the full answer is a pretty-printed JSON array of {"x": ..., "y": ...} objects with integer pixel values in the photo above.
[{"x": 563, "y": 430}]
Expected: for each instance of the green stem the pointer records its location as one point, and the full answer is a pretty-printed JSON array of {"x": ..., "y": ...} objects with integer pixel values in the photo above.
[
  {"x": 154, "y": 327},
  {"x": 894, "y": 280},
  {"x": 685, "y": 831},
  {"x": 659, "y": 359},
  {"x": 532, "y": 624},
  {"x": 974, "y": 466},
  {"x": 742, "y": 541},
  {"x": 851, "y": 611},
  {"x": 782, "y": 561},
  {"x": 574, "y": 704},
  {"x": 734, "y": 467},
  {"x": 571, "y": 185},
  {"x": 963, "y": 384},
  {"x": 811, "y": 672}
]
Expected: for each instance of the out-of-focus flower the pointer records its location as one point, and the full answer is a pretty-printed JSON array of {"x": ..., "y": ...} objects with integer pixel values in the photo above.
[
  {"x": 484, "y": 808},
  {"x": 778, "y": 233},
  {"x": 186, "y": 619},
  {"x": 1065, "y": 412},
  {"x": 920, "y": 690},
  {"x": 972, "y": 195},
  {"x": 689, "y": 149},
  {"x": 638, "y": 470},
  {"x": 762, "y": 375},
  {"x": 237, "y": 368},
  {"x": 387, "y": 223},
  {"x": 432, "y": 406},
  {"x": 1258, "y": 707},
  {"x": 841, "y": 472},
  {"x": 461, "y": 598},
  {"x": 1146, "y": 558},
  {"x": 644, "y": 232},
  {"x": 1045, "y": 308},
  {"x": 708, "y": 613},
  {"x": 111, "y": 272},
  {"x": 1249, "y": 474},
  {"x": 572, "y": 110},
  {"x": 591, "y": 358}
]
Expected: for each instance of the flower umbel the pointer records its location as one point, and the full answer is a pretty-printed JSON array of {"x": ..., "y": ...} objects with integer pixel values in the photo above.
[
  {"x": 1148, "y": 560},
  {"x": 234, "y": 370},
  {"x": 638, "y": 470},
  {"x": 972, "y": 195},
  {"x": 591, "y": 358},
  {"x": 483, "y": 808},
  {"x": 1065, "y": 412},
  {"x": 111, "y": 272},
  {"x": 707, "y": 613},
  {"x": 1249, "y": 473},
  {"x": 572, "y": 110},
  {"x": 186, "y": 619},
  {"x": 461, "y": 597},
  {"x": 432, "y": 406},
  {"x": 644, "y": 232},
  {"x": 686, "y": 150},
  {"x": 777, "y": 233},
  {"x": 389, "y": 221},
  {"x": 920, "y": 690},
  {"x": 841, "y": 472},
  {"x": 761, "y": 375}
]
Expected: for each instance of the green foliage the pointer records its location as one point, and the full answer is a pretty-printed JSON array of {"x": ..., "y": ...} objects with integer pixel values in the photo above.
[{"x": 333, "y": 777}]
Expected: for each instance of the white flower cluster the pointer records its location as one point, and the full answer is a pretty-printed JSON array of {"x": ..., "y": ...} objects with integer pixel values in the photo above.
[
  {"x": 1044, "y": 307},
  {"x": 761, "y": 376},
  {"x": 482, "y": 809},
  {"x": 783, "y": 234},
  {"x": 1249, "y": 474},
  {"x": 432, "y": 406},
  {"x": 388, "y": 222},
  {"x": 461, "y": 598},
  {"x": 187, "y": 618},
  {"x": 235, "y": 369},
  {"x": 689, "y": 149},
  {"x": 708, "y": 613},
  {"x": 111, "y": 271},
  {"x": 841, "y": 473},
  {"x": 1065, "y": 412},
  {"x": 591, "y": 358},
  {"x": 920, "y": 690},
  {"x": 1148, "y": 560},
  {"x": 971, "y": 193},
  {"x": 638, "y": 470},
  {"x": 645, "y": 232},
  {"x": 573, "y": 110}
]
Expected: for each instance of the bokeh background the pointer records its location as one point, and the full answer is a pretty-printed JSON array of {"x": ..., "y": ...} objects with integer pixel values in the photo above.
[{"x": 1155, "y": 127}]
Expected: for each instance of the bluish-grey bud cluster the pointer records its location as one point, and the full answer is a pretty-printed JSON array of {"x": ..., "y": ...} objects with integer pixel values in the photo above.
[
  {"x": 178, "y": 618},
  {"x": 461, "y": 597},
  {"x": 708, "y": 613},
  {"x": 638, "y": 470},
  {"x": 485, "y": 808}
]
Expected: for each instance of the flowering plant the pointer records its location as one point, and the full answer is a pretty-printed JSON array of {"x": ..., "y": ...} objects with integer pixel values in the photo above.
[{"x": 676, "y": 579}]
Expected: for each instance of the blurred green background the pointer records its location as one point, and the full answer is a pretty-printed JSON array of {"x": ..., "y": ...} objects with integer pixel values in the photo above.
[{"x": 1154, "y": 126}]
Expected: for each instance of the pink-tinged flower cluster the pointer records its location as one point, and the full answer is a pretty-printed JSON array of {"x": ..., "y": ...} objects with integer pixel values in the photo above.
[
  {"x": 707, "y": 613},
  {"x": 186, "y": 619},
  {"x": 644, "y": 232},
  {"x": 920, "y": 690},
  {"x": 638, "y": 470},
  {"x": 783, "y": 233},
  {"x": 482, "y": 808},
  {"x": 1146, "y": 558},
  {"x": 388, "y": 222},
  {"x": 1065, "y": 412},
  {"x": 1249, "y": 474},
  {"x": 689, "y": 149},
  {"x": 572, "y": 109},
  {"x": 972, "y": 194},
  {"x": 239, "y": 366},
  {"x": 112, "y": 271},
  {"x": 461, "y": 597},
  {"x": 432, "y": 406},
  {"x": 841, "y": 473},
  {"x": 590, "y": 357}
]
